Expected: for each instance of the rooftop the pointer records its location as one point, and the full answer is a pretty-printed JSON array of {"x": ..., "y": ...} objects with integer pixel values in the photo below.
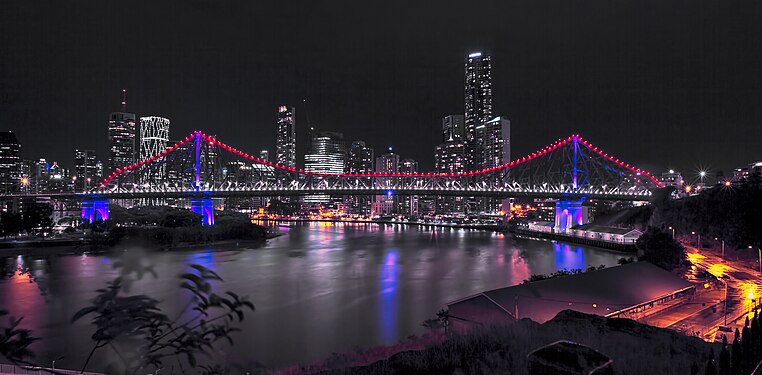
[{"x": 602, "y": 292}]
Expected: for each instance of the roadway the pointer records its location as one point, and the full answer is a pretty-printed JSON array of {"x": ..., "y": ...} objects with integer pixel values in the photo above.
[{"x": 705, "y": 313}]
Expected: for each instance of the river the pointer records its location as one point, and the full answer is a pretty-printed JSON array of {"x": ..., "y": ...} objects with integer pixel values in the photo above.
[{"x": 319, "y": 288}]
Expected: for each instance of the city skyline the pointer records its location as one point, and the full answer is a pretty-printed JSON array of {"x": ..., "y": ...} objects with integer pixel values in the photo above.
[{"x": 682, "y": 105}]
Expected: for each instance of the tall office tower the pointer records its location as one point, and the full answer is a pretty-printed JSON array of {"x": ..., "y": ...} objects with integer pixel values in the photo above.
[
  {"x": 58, "y": 179},
  {"x": 85, "y": 170},
  {"x": 450, "y": 157},
  {"x": 10, "y": 163},
  {"x": 359, "y": 160},
  {"x": 453, "y": 128},
  {"x": 327, "y": 155},
  {"x": 495, "y": 140},
  {"x": 264, "y": 155},
  {"x": 154, "y": 137},
  {"x": 99, "y": 170},
  {"x": 385, "y": 163},
  {"x": 285, "y": 148},
  {"x": 121, "y": 138}
]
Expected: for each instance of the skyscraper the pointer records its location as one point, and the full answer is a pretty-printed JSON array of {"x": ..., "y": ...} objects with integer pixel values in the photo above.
[
  {"x": 453, "y": 128},
  {"x": 85, "y": 169},
  {"x": 450, "y": 157},
  {"x": 154, "y": 137},
  {"x": 264, "y": 155},
  {"x": 478, "y": 92},
  {"x": 408, "y": 205},
  {"x": 285, "y": 149},
  {"x": 327, "y": 155},
  {"x": 495, "y": 141},
  {"x": 10, "y": 162},
  {"x": 359, "y": 160},
  {"x": 386, "y": 163},
  {"x": 121, "y": 138}
]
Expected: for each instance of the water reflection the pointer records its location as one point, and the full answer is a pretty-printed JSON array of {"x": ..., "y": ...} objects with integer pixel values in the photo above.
[
  {"x": 568, "y": 257},
  {"x": 388, "y": 305}
]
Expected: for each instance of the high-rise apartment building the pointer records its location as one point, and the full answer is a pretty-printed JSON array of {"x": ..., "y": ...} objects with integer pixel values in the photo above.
[
  {"x": 494, "y": 138},
  {"x": 359, "y": 158},
  {"x": 10, "y": 162},
  {"x": 478, "y": 92},
  {"x": 85, "y": 170},
  {"x": 121, "y": 138},
  {"x": 450, "y": 157},
  {"x": 154, "y": 137},
  {"x": 453, "y": 128},
  {"x": 285, "y": 149}
]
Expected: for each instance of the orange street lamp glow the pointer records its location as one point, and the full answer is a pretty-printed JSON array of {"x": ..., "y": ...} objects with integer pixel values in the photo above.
[
  {"x": 727, "y": 183},
  {"x": 24, "y": 181}
]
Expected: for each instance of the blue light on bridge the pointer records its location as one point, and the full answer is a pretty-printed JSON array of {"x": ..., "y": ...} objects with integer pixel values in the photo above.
[{"x": 389, "y": 193}]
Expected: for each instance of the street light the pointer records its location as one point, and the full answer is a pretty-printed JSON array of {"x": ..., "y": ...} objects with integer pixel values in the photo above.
[
  {"x": 673, "y": 232},
  {"x": 723, "y": 247},
  {"x": 759, "y": 250},
  {"x": 698, "y": 239}
]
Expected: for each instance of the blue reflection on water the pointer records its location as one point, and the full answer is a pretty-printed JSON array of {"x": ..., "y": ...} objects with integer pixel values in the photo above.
[
  {"x": 568, "y": 257},
  {"x": 204, "y": 258},
  {"x": 388, "y": 297}
]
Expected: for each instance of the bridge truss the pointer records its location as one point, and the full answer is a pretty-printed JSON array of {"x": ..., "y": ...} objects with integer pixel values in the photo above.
[{"x": 200, "y": 164}]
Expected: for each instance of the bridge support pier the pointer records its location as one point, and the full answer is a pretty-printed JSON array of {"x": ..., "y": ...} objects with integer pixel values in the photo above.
[
  {"x": 95, "y": 209},
  {"x": 570, "y": 213},
  {"x": 205, "y": 208}
]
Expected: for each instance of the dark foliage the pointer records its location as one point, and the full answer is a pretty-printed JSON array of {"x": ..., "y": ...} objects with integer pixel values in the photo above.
[
  {"x": 730, "y": 213},
  {"x": 659, "y": 248},
  {"x": 144, "y": 337}
]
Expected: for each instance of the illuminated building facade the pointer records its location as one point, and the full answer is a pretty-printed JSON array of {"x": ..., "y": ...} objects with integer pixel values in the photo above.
[
  {"x": 408, "y": 205},
  {"x": 10, "y": 162},
  {"x": 121, "y": 138},
  {"x": 154, "y": 137},
  {"x": 327, "y": 155},
  {"x": 453, "y": 128},
  {"x": 360, "y": 159},
  {"x": 386, "y": 163},
  {"x": 285, "y": 150},
  {"x": 494, "y": 138},
  {"x": 478, "y": 92},
  {"x": 85, "y": 169},
  {"x": 450, "y": 157}
]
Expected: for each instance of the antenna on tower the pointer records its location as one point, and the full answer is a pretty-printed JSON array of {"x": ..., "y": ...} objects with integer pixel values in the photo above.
[
  {"x": 124, "y": 100},
  {"x": 306, "y": 113}
]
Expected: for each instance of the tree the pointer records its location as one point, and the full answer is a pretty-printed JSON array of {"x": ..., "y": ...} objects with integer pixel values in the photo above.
[
  {"x": 736, "y": 355},
  {"x": 711, "y": 369},
  {"x": 15, "y": 341},
  {"x": 658, "y": 247},
  {"x": 144, "y": 337},
  {"x": 724, "y": 365},
  {"x": 747, "y": 360}
]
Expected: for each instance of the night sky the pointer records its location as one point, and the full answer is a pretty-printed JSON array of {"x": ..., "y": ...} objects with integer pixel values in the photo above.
[{"x": 662, "y": 84}]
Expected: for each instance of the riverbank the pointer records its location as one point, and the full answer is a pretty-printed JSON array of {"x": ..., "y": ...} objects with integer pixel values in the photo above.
[
  {"x": 490, "y": 227},
  {"x": 626, "y": 248}
]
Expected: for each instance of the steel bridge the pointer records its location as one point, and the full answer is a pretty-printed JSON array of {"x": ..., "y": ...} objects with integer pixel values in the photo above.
[{"x": 201, "y": 167}]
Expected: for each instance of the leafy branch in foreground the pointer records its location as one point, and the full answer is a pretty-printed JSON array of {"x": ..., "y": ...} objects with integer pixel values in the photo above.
[
  {"x": 144, "y": 337},
  {"x": 15, "y": 341}
]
